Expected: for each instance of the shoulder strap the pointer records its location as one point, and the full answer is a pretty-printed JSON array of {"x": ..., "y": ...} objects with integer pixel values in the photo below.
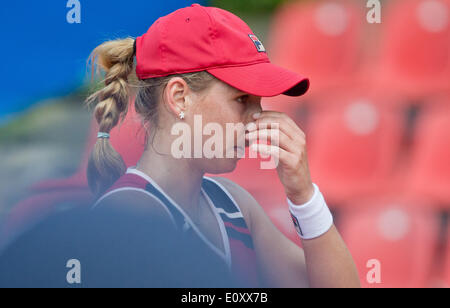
[{"x": 225, "y": 204}]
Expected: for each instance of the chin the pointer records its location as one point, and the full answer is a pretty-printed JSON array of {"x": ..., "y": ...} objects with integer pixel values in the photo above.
[{"x": 223, "y": 165}]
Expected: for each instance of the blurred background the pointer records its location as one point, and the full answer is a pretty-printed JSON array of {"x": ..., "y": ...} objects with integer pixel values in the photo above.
[{"x": 377, "y": 118}]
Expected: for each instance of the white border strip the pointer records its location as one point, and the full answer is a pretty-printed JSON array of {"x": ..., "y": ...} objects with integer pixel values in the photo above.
[
  {"x": 225, "y": 239},
  {"x": 228, "y": 194},
  {"x": 230, "y": 215}
]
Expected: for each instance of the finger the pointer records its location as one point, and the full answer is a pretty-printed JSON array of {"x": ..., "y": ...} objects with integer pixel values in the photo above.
[
  {"x": 275, "y": 136},
  {"x": 281, "y": 116},
  {"x": 276, "y": 152},
  {"x": 273, "y": 123},
  {"x": 296, "y": 143}
]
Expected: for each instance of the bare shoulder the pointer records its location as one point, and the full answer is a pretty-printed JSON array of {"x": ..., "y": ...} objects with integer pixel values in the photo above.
[
  {"x": 246, "y": 202},
  {"x": 135, "y": 202}
]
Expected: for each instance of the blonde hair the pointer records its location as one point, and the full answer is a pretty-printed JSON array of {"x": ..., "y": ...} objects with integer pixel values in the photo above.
[{"x": 116, "y": 59}]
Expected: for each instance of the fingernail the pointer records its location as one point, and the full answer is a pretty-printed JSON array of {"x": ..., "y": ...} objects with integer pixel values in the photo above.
[
  {"x": 256, "y": 115},
  {"x": 250, "y": 126}
]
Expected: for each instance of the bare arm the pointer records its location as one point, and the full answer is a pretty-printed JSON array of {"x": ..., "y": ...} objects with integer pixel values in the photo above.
[
  {"x": 324, "y": 261},
  {"x": 329, "y": 262}
]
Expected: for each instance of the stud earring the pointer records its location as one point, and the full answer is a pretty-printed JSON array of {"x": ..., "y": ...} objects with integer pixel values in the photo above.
[{"x": 181, "y": 115}]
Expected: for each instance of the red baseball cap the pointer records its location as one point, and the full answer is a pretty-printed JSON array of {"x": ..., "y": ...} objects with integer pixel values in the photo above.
[{"x": 199, "y": 38}]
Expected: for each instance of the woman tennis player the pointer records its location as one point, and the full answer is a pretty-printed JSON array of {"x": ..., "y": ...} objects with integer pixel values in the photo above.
[{"x": 205, "y": 61}]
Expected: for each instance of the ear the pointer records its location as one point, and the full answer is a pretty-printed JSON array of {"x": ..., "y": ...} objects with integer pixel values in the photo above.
[{"x": 176, "y": 95}]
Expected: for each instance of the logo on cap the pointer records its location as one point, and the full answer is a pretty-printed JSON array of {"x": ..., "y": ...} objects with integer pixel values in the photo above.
[{"x": 257, "y": 42}]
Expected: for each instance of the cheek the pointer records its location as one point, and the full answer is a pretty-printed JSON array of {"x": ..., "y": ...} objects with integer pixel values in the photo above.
[
  {"x": 225, "y": 115},
  {"x": 221, "y": 112}
]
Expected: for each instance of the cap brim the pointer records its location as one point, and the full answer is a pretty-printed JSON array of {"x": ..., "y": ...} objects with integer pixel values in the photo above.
[{"x": 262, "y": 79}]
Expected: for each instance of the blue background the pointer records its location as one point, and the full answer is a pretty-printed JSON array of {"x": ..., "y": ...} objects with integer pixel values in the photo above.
[{"x": 43, "y": 55}]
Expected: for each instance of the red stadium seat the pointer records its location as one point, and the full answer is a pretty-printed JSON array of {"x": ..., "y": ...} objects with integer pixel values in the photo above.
[
  {"x": 128, "y": 138},
  {"x": 430, "y": 165},
  {"x": 399, "y": 240},
  {"x": 319, "y": 39},
  {"x": 415, "y": 50},
  {"x": 353, "y": 144}
]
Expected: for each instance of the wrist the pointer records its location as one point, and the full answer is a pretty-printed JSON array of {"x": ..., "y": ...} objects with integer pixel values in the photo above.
[
  {"x": 302, "y": 197},
  {"x": 313, "y": 218}
]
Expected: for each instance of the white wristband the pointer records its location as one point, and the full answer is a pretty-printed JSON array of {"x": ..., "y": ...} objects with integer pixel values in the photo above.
[{"x": 313, "y": 218}]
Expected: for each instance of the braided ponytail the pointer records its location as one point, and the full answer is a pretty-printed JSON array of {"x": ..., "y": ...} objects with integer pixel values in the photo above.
[{"x": 111, "y": 105}]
